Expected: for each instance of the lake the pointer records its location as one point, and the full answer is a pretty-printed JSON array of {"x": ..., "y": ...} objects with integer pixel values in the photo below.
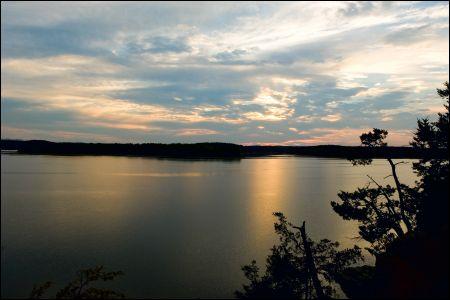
[{"x": 176, "y": 228}]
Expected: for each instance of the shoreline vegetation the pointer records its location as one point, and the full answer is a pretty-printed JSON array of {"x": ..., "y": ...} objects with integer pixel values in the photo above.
[{"x": 211, "y": 150}]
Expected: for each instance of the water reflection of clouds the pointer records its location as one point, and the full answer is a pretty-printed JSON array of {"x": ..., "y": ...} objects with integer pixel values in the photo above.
[{"x": 142, "y": 214}]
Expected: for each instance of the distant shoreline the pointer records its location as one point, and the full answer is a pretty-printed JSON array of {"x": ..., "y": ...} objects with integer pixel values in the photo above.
[{"x": 210, "y": 150}]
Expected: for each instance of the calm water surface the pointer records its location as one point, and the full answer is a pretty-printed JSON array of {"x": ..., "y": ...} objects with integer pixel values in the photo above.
[{"x": 176, "y": 228}]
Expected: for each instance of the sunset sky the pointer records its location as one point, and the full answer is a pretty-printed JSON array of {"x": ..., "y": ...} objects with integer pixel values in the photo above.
[{"x": 250, "y": 73}]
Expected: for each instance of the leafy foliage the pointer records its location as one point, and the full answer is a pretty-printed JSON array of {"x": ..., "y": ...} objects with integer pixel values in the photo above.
[
  {"x": 372, "y": 139},
  {"x": 434, "y": 173},
  {"x": 39, "y": 290},
  {"x": 377, "y": 212},
  {"x": 80, "y": 288},
  {"x": 287, "y": 275},
  {"x": 382, "y": 211}
]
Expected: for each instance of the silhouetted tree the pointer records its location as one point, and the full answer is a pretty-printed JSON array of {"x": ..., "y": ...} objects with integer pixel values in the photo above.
[
  {"x": 289, "y": 272},
  {"x": 384, "y": 212},
  {"x": 80, "y": 288},
  {"x": 433, "y": 172},
  {"x": 39, "y": 290},
  {"x": 415, "y": 265}
]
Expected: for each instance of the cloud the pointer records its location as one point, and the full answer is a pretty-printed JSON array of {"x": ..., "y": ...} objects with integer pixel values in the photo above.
[
  {"x": 157, "y": 44},
  {"x": 227, "y": 56},
  {"x": 306, "y": 119},
  {"x": 57, "y": 66},
  {"x": 346, "y": 136},
  {"x": 189, "y": 132},
  {"x": 60, "y": 135},
  {"x": 408, "y": 35},
  {"x": 245, "y": 73},
  {"x": 274, "y": 105},
  {"x": 332, "y": 118}
]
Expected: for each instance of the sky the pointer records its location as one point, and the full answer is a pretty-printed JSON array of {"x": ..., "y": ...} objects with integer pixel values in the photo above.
[{"x": 288, "y": 73}]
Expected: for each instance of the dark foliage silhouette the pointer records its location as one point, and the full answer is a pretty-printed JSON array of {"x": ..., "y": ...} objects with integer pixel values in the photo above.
[
  {"x": 433, "y": 172},
  {"x": 291, "y": 272},
  {"x": 383, "y": 212},
  {"x": 414, "y": 264},
  {"x": 406, "y": 226},
  {"x": 80, "y": 287}
]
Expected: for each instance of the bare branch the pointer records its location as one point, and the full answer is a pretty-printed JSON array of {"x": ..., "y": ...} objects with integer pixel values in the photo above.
[
  {"x": 400, "y": 195},
  {"x": 389, "y": 200}
]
